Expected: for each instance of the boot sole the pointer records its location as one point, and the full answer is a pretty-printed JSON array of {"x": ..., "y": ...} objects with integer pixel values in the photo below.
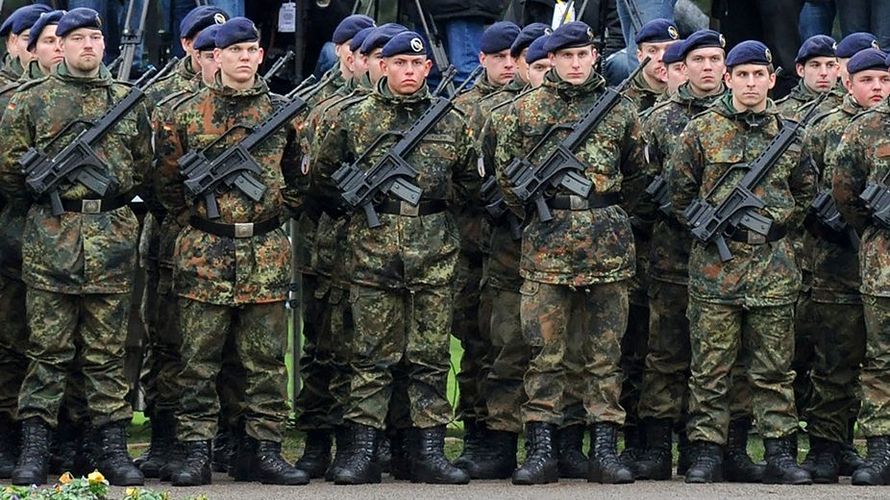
[{"x": 534, "y": 483}]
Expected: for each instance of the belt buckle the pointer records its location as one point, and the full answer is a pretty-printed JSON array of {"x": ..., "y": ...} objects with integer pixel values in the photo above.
[
  {"x": 755, "y": 238},
  {"x": 408, "y": 210},
  {"x": 577, "y": 203},
  {"x": 244, "y": 229},
  {"x": 90, "y": 206}
]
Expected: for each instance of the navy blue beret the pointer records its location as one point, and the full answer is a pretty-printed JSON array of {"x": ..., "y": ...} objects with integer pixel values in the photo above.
[
  {"x": 349, "y": 26},
  {"x": 499, "y": 36},
  {"x": 382, "y": 34},
  {"x": 867, "y": 59},
  {"x": 701, "y": 39},
  {"x": 359, "y": 38},
  {"x": 407, "y": 43},
  {"x": 23, "y": 18},
  {"x": 854, "y": 42},
  {"x": 205, "y": 40},
  {"x": 816, "y": 46},
  {"x": 528, "y": 35},
  {"x": 657, "y": 31},
  {"x": 46, "y": 19},
  {"x": 80, "y": 17},
  {"x": 199, "y": 18},
  {"x": 536, "y": 50},
  {"x": 749, "y": 52},
  {"x": 569, "y": 35},
  {"x": 236, "y": 30},
  {"x": 674, "y": 53}
]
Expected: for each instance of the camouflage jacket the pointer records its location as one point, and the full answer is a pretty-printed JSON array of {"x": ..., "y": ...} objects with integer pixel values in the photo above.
[
  {"x": 578, "y": 247},
  {"x": 207, "y": 267},
  {"x": 669, "y": 250},
  {"x": 835, "y": 266},
  {"x": 404, "y": 252},
  {"x": 862, "y": 156},
  {"x": 797, "y": 103},
  {"x": 76, "y": 253},
  {"x": 642, "y": 94},
  {"x": 180, "y": 78},
  {"x": 12, "y": 70},
  {"x": 710, "y": 145}
]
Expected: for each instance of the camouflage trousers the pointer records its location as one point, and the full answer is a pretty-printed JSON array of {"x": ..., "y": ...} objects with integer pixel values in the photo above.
[
  {"x": 839, "y": 346},
  {"x": 634, "y": 346},
  {"x": 806, "y": 328},
  {"x": 257, "y": 333},
  {"x": 404, "y": 333},
  {"x": 874, "y": 417},
  {"x": 762, "y": 340},
  {"x": 575, "y": 340},
  {"x": 162, "y": 361},
  {"x": 324, "y": 365},
  {"x": 470, "y": 326},
  {"x": 13, "y": 340},
  {"x": 83, "y": 331},
  {"x": 510, "y": 356}
]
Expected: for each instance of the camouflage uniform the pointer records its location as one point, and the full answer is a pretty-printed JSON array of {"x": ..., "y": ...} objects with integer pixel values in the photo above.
[
  {"x": 742, "y": 309},
  {"x": 77, "y": 267},
  {"x": 861, "y": 157},
  {"x": 12, "y": 70},
  {"x": 229, "y": 288},
  {"x": 839, "y": 341},
  {"x": 401, "y": 272},
  {"x": 575, "y": 300}
]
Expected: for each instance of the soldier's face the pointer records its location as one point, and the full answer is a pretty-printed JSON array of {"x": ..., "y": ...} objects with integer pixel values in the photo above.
[
  {"x": 522, "y": 66},
  {"x": 537, "y": 70},
  {"x": 676, "y": 76},
  {"x": 208, "y": 64},
  {"x": 574, "y": 65},
  {"x": 10, "y": 46},
  {"x": 360, "y": 65},
  {"x": 500, "y": 67},
  {"x": 239, "y": 62},
  {"x": 375, "y": 66},
  {"x": 705, "y": 68},
  {"x": 868, "y": 87},
  {"x": 47, "y": 50},
  {"x": 842, "y": 68},
  {"x": 406, "y": 74},
  {"x": 655, "y": 70},
  {"x": 21, "y": 47},
  {"x": 83, "y": 49},
  {"x": 750, "y": 84},
  {"x": 819, "y": 73}
]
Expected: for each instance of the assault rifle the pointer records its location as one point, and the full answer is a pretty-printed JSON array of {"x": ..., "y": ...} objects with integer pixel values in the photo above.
[
  {"x": 437, "y": 50},
  {"x": 78, "y": 160},
  {"x": 278, "y": 65},
  {"x": 131, "y": 39},
  {"x": 392, "y": 174},
  {"x": 710, "y": 224},
  {"x": 659, "y": 193},
  {"x": 823, "y": 213},
  {"x": 876, "y": 197},
  {"x": 561, "y": 168},
  {"x": 493, "y": 199},
  {"x": 236, "y": 167}
]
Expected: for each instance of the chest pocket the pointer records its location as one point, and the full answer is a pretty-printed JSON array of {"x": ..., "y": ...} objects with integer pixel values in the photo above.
[
  {"x": 725, "y": 167},
  {"x": 434, "y": 159},
  {"x": 881, "y": 162}
]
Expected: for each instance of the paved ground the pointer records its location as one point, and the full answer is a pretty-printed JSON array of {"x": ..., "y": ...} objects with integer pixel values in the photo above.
[{"x": 224, "y": 489}]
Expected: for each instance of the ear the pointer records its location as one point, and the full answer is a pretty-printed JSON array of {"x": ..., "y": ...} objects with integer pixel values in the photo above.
[
  {"x": 799, "y": 68},
  {"x": 772, "y": 79},
  {"x": 481, "y": 58},
  {"x": 640, "y": 55},
  {"x": 383, "y": 67},
  {"x": 217, "y": 55},
  {"x": 848, "y": 83},
  {"x": 727, "y": 77},
  {"x": 262, "y": 55}
]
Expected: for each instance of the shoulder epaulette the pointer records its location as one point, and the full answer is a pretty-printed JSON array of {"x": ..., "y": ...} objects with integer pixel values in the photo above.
[
  {"x": 865, "y": 112},
  {"x": 185, "y": 98},
  {"x": 821, "y": 116},
  {"x": 172, "y": 97},
  {"x": 30, "y": 83}
]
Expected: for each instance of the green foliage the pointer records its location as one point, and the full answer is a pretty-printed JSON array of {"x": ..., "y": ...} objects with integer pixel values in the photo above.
[{"x": 92, "y": 487}]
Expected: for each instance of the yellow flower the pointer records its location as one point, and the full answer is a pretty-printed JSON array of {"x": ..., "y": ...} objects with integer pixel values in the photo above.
[
  {"x": 66, "y": 478},
  {"x": 131, "y": 492},
  {"x": 96, "y": 477}
]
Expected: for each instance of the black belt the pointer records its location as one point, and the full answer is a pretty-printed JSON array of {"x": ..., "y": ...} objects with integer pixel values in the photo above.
[
  {"x": 776, "y": 233},
  {"x": 237, "y": 230},
  {"x": 593, "y": 200},
  {"x": 94, "y": 206},
  {"x": 408, "y": 210}
]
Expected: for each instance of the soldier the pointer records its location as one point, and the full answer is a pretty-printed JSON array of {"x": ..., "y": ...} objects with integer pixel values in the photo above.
[
  {"x": 574, "y": 300},
  {"x": 77, "y": 266},
  {"x": 742, "y": 309},
  {"x": 665, "y": 393},
  {"x": 538, "y": 62},
  {"x": 215, "y": 303},
  {"x": 675, "y": 69},
  {"x": 337, "y": 76},
  {"x": 860, "y": 160},
  {"x": 849, "y": 46},
  {"x": 400, "y": 286},
  {"x": 839, "y": 342},
  {"x": 14, "y": 28},
  {"x": 468, "y": 326},
  {"x": 652, "y": 40}
]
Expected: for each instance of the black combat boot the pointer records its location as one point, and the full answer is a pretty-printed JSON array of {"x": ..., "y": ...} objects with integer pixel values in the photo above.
[
  {"x": 540, "y": 465},
  {"x": 223, "y": 449},
  {"x": 737, "y": 465},
  {"x": 195, "y": 470},
  {"x": 604, "y": 465},
  {"x": 161, "y": 446},
  {"x": 497, "y": 459},
  {"x": 474, "y": 432},
  {"x": 849, "y": 459},
  {"x": 634, "y": 445},
  {"x": 359, "y": 466},
  {"x": 657, "y": 462},
  {"x": 66, "y": 444},
  {"x": 707, "y": 463},
  {"x": 781, "y": 464},
  {"x": 33, "y": 464},
  {"x": 384, "y": 453},
  {"x": 174, "y": 463},
  {"x": 400, "y": 461},
  {"x": 271, "y": 468},
  {"x": 113, "y": 459},
  {"x": 428, "y": 462},
  {"x": 876, "y": 470},
  {"x": 825, "y": 466},
  {"x": 243, "y": 465},
  {"x": 342, "y": 436},
  {"x": 571, "y": 460},
  {"x": 10, "y": 432},
  {"x": 316, "y": 453},
  {"x": 684, "y": 452}
]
